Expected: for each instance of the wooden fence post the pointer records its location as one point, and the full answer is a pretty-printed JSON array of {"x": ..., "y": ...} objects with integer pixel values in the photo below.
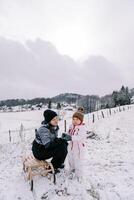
[
  {"x": 9, "y": 136},
  {"x": 21, "y": 132},
  {"x": 97, "y": 115},
  {"x": 65, "y": 126},
  {"x": 93, "y": 118},
  {"x": 110, "y": 111},
  {"x": 102, "y": 114}
]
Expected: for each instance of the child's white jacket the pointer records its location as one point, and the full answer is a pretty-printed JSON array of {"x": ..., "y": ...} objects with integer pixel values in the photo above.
[{"x": 76, "y": 147}]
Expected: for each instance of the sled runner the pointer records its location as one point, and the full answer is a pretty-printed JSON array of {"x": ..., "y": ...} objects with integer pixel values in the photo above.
[{"x": 33, "y": 167}]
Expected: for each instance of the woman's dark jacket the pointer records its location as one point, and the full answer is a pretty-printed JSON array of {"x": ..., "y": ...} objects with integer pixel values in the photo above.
[{"x": 47, "y": 135}]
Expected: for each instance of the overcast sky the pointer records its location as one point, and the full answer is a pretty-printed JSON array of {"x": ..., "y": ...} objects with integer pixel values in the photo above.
[{"x": 49, "y": 47}]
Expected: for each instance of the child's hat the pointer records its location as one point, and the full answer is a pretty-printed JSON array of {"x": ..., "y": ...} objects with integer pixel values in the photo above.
[
  {"x": 49, "y": 115},
  {"x": 79, "y": 115}
]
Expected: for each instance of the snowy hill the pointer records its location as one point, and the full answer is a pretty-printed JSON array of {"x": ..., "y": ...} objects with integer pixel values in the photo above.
[{"x": 108, "y": 169}]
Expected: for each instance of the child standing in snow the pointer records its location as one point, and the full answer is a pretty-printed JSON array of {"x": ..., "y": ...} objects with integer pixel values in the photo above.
[{"x": 77, "y": 145}]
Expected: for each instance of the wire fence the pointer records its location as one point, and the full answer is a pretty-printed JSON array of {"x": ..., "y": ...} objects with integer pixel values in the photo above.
[
  {"x": 17, "y": 135},
  {"x": 105, "y": 113},
  {"x": 27, "y": 134}
]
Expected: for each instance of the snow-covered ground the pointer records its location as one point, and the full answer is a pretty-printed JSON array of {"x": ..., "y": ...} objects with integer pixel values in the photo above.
[{"x": 108, "y": 168}]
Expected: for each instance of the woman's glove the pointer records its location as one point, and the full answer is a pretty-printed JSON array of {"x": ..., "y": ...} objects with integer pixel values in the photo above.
[{"x": 66, "y": 137}]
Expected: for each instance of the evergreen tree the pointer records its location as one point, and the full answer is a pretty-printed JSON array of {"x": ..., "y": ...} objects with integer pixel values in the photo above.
[
  {"x": 122, "y": 97},
  {"x": 115, "y": 98},
  {"x": 128, "y": 96},
  {"x": 49, "y": 104},
  {"x": 58, "y": 106}
]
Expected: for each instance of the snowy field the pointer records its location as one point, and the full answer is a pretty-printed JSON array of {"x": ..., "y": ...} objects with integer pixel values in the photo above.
[{"x": 108, "y": 168}]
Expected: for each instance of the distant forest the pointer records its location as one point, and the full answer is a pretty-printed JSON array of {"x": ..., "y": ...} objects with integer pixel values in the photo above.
[{"x": 89, "y": 102}]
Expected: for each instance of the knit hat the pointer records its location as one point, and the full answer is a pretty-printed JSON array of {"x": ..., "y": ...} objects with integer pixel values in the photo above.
[
  {"x": 49, "y": 115},
  {"x": 79, "y": 115}
]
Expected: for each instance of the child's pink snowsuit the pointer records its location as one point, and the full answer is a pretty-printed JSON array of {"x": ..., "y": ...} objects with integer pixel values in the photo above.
[{"x": 76, "y": 148}]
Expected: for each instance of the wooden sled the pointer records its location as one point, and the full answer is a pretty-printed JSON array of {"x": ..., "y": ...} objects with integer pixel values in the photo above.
[{"x": 33, "y": 167}]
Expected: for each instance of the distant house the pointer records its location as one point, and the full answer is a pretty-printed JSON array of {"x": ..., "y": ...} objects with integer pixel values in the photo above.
[
  {"x": 132, "y": 99},
  {"x": 69, "y": 108}
]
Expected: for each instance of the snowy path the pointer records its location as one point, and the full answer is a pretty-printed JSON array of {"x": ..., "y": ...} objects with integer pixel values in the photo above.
[{"x": 109, "y": 168}]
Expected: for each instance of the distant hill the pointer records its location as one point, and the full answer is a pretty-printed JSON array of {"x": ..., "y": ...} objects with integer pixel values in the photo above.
[
  {"x": 66, "y": 97},
  {"x": 93, "y": 101}
]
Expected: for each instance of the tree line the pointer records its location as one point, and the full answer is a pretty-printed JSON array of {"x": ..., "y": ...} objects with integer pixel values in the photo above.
[
  {"x": 89, "y": 102},
  {"x": 117, "y": 98}
]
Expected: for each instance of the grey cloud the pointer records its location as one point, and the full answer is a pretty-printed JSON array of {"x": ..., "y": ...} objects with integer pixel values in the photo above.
[
  {"x": 37, "y": 64},
  {"x": 100, "y": 75},
  {"x": 37, "y": 69}
]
